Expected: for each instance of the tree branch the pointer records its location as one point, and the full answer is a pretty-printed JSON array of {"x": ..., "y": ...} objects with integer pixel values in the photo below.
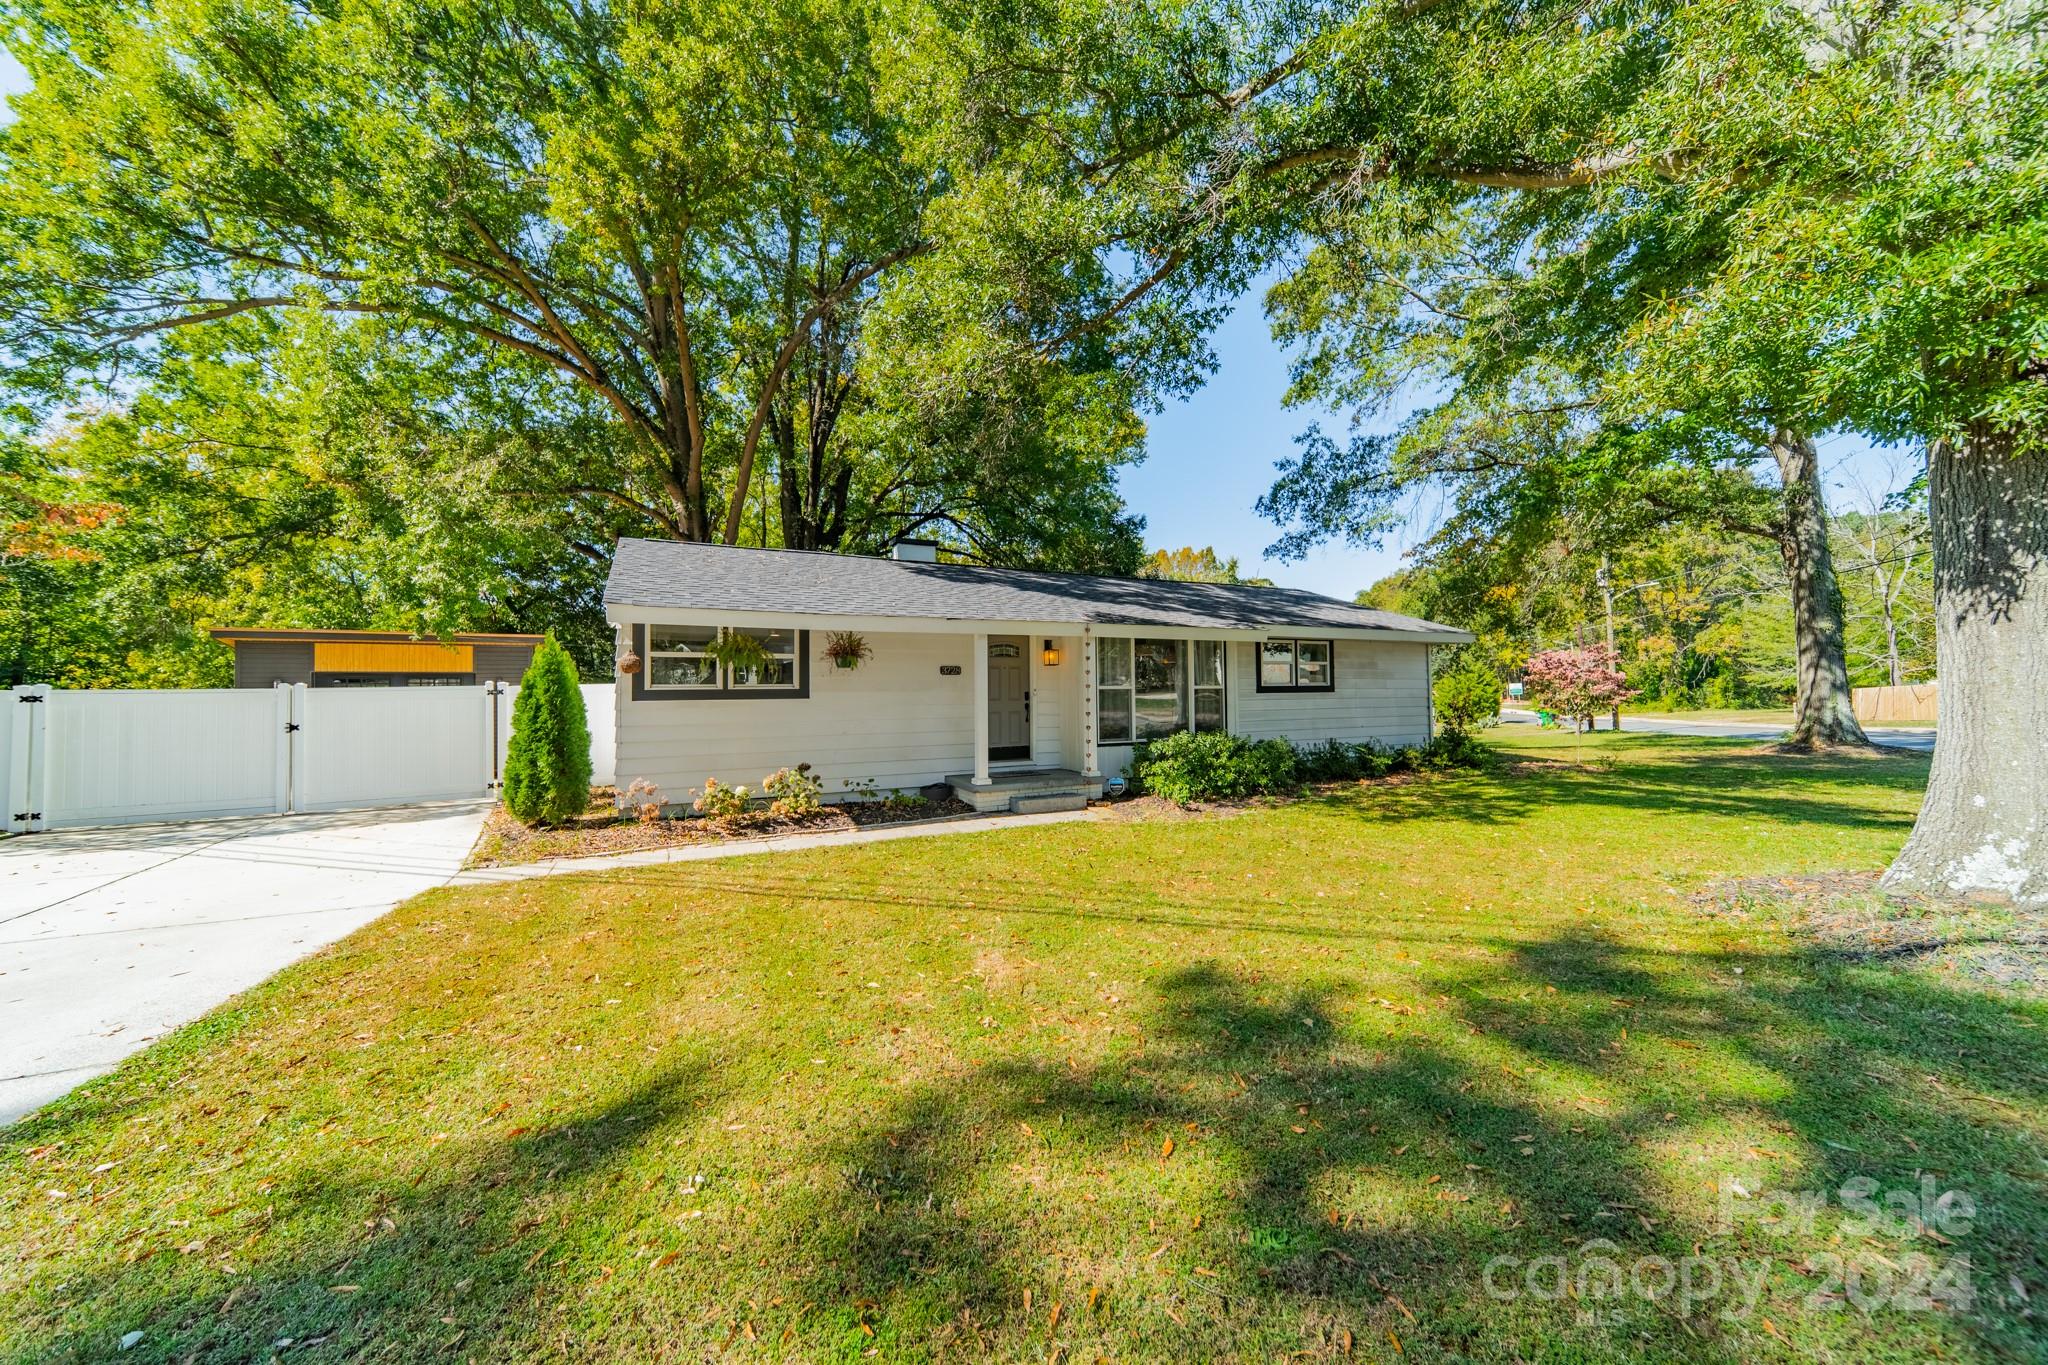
[{"x": 851, "y": 282}]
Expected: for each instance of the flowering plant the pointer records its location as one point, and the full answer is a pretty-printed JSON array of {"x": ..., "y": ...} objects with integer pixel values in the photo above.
[
  {"x": 795, "y": 790},
  {"x": 1578, "y": 684},
  {"x": 716, "y": 801}
]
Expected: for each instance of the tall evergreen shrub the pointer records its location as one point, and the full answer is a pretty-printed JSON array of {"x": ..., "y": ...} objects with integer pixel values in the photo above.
[{"x": 547, "y": 766}]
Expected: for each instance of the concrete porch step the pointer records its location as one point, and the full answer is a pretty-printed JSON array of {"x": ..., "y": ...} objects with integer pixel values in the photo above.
[{"x": 1036, "y": 790}]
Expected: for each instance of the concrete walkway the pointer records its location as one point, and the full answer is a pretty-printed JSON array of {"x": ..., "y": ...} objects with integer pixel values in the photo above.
[
  {"x": 1918, "y": 738},
  {"x": 779, "y": 843},
  {"x": 112, "y": 937}
]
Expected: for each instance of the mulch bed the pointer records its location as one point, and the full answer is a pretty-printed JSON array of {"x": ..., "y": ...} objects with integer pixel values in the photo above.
[
  {"x": 1849, "y": 915},
  {"x": 1159, "y": 808},
  {"x": 601, "y": 830}
]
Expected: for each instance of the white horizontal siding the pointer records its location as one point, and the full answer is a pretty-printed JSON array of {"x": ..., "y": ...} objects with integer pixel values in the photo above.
[
  {"x": 1382, "y": 693},
  {"x": 894, "y": 721}
]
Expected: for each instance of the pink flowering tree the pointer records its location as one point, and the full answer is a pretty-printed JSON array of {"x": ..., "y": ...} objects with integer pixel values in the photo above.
[{"x": 1577, "y": 684}]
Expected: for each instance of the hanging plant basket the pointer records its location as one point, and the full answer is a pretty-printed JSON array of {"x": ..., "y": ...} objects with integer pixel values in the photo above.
[
  {"x": 740, "y": 653},
  {"x": 847, "y": 649}
]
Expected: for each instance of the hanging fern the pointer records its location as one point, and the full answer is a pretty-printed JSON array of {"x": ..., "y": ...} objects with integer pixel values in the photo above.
[{"x": 739, "y": 652}]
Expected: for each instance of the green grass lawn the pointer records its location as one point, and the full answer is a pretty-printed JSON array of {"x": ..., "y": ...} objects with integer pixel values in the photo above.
[{"x": 1239, "y": 1086}]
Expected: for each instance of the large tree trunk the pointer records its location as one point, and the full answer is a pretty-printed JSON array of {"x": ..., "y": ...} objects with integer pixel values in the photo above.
[
  {"x": 1824, "y": 711},
  {"x": 1984, "y": 824}
]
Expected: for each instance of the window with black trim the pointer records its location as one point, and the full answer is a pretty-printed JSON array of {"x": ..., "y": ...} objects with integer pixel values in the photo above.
[
  {"x": 777, "y": 670},
  {"x": 1206, "y": 684},
  {"x": 680, "y": 661},
  {"x": 1113, "y": 692},
  {"x": 1296, "y": 666},
  {"x": 676, "y": 657},
  {"x": 1147, "y": 689}
]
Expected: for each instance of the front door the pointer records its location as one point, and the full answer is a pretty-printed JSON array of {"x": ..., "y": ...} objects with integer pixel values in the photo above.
[{"x": 1009, "y": 697}]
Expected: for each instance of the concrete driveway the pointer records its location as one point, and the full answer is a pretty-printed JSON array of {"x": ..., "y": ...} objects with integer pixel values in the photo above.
[
  {"x": 1920, "y": 738},
  {"x": 111, "y": 937}
]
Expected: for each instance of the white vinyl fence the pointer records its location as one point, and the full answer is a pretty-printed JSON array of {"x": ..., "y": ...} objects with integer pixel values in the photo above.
[
  {"x": 600, "y": 711},
  {"x": 121, "y": 757}
]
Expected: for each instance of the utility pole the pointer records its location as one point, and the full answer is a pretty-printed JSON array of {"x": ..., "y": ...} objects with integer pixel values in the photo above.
[{"x": 1606, "y": 582}]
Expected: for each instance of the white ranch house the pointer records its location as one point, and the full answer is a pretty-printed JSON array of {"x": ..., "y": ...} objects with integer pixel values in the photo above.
[{"x": 1017, "y": 688}]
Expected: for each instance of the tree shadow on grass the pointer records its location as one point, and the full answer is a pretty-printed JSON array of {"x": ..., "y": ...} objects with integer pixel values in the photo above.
[
  {"x": 1309, "y": 1182},
  {"x": 1748, "y": 786},
  {"x": 467, "y": 1254},
  {"x": 1875, "y": 1072},
  {"x": 1324, "y": 1188}
]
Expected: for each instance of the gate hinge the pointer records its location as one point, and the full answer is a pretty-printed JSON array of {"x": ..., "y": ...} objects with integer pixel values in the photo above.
[
  {"x": 28, "y": 815},
  {"x": 29, "y": 698},
  {"x": 290, "y": 726}
]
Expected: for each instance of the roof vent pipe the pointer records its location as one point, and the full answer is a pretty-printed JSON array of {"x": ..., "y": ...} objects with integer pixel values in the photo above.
[{"x": 915, "y": 551}]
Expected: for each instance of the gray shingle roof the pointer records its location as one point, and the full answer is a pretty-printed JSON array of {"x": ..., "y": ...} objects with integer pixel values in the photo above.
[{"x": 674, "y": 574}]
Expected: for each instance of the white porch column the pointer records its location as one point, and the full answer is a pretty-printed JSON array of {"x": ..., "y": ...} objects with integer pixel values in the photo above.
[
  {"x": 1091, "y": 766},
  {"x": 980, "y": 710}
]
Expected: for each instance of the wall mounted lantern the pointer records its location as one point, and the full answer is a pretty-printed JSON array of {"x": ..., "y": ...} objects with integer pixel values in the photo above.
[{"x": 1051, "y": 657}]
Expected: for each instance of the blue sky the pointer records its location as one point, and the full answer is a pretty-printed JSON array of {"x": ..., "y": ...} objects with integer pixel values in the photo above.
[{"x": 1212, "y": 455}]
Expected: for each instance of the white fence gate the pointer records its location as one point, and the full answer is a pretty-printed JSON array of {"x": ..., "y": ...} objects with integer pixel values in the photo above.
[{"x": 122, "y": 757}]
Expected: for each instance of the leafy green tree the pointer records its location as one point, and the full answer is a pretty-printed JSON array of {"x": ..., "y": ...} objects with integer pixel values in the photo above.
[
  {"x": 547, "y": 762},
  {"x": 666, "y": 226},
  {"x": 290, "y": 472},
  {"x": 1864, "y": 188},
  {"x": 631, "y": 200},
  {"x": 1503, "y": 309},
  {"x": 398, "y": 317}
]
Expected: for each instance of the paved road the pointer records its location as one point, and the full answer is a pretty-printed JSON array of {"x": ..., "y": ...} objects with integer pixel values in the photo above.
[
  {"x": 111, "y": 937},
  {"x": 1893, "y": 737}
]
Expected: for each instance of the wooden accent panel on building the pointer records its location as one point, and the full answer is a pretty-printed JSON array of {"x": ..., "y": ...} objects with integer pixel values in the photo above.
[{"x": 335, "y": 656}]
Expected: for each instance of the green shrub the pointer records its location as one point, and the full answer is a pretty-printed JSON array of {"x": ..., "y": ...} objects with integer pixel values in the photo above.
[
  {"x": 1452, "y": 749},
  {"x": 1207, "y": 767},
  {"x": 1467, "y": 696},
  {"x": 1268, "y": 766},
  {"x": 1374, "y": 758},
  {"x": 547, "y": 764},
  {"x": 1331, "y": 761}
]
